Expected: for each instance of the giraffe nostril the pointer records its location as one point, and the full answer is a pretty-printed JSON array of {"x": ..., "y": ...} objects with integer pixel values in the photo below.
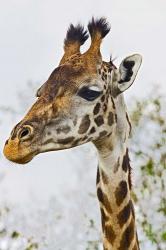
[{"x": 25, "y": 132}]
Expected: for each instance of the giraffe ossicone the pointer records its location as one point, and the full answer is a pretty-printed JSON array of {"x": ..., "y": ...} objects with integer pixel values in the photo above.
[{"x": 82, "y": 101}]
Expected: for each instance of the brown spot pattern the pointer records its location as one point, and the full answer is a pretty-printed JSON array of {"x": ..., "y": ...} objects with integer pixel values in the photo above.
[
  {"x": 126, "y": 167},
  {"x": 116, "y": 118},
  {"x": 100, "y": 195},
  {"x": 110, "y": 234},
  {"x": 103, "y": 98},
  {"x": 84, "y": 138},
  {"x": 98, "y": 176},
  {"x": 121, "y": 192},
  {"x": 99, "y": 120},
  {"x": 104, "y": 218},
  {"x": 93, "y": 130},
  {"x": 105, "y": 107},
  {"x": 85, "y": 123},
  {"x": 132, "y": 210},
  {"x": 103, "y": 133},
  {"x": 124, "y": 214},
  {"x": 125, "y": 163},
  {"x": 66, "y": 140},
  {"x": 128, "y": 122},
  {"x": 104, "y": 177},
  {"x": 127, "y": 236},
  {"x": 76, "y": 142},
  {"x": 113, "y": 104},
  {"x": 97, "y": 108},
  {"x": 110, "y": 118},
  {"x": 129, "y": 177},
  {"x": 104, "y": 200},
  {"x": 48, "y": 141}
]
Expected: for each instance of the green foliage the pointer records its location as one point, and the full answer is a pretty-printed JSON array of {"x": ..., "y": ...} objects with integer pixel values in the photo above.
[
  {"x": 148, "y": 148},
  {"x": 15, "y": 234},
  {"x": 92, "y": 245},
  {"x": 164, "y": 236},
  {"x": 32, "y": 246}
]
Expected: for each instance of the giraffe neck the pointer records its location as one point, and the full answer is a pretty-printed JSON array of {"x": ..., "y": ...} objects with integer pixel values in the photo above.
[{"x": 114, "y": 190}]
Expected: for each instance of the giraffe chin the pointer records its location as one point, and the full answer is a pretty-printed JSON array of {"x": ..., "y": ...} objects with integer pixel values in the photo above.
[
  {"x": 17, "y": 157},
  {"x": 21, "y": 160},
  {"x": 24, "y": 160}
]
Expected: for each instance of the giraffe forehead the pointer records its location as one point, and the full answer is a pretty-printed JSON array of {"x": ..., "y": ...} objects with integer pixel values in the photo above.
[
  {"x": 65, "y": 78},
  {"x": 69, "y": 76},
  {"x": 63, "y": 83}
]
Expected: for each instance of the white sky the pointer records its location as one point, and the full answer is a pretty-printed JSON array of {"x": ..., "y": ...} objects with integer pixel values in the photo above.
[
  {"x": 32, "y": 34},
  {"x": 31, "y": 45}
]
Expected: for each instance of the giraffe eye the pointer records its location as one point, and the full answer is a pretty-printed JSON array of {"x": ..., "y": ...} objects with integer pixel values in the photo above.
[{"x": 89, "y": 94}]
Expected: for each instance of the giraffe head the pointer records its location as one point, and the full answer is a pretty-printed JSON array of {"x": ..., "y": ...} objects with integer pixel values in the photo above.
[{"x": 76, "y": 104}]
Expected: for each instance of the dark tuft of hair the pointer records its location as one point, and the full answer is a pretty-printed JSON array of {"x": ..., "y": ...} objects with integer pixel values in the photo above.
[
  {"x": 101, "y": 25},
  {"x": 76, "y": 34}
]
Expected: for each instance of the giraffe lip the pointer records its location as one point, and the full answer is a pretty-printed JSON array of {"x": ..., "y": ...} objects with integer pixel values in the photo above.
[
  {"x": 20, "y": 159},
  {"x": 27, "y": 158},
  {"x": 23, "y": 160}
]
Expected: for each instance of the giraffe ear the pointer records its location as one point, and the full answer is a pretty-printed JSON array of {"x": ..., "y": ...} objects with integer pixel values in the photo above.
[{"x": 127, "y": 72}]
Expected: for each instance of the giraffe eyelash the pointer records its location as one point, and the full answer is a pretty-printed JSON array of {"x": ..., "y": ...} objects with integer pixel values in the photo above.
[{"x": 89, "y": 93}]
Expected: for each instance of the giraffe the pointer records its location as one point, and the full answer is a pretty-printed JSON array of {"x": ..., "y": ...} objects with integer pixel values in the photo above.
[{"x": 82, "y": 101}]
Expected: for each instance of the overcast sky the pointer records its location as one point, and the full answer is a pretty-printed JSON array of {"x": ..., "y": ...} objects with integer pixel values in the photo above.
[
  {"x": 31, "y": 45},
  {"x": 32, "y": 34}
]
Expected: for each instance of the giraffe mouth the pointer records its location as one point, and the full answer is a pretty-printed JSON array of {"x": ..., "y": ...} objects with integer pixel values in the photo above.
[
  {"x": 25, "y": 159},
  {"x": 18, "y": 157},
  {"x": 21, "y": 160}
]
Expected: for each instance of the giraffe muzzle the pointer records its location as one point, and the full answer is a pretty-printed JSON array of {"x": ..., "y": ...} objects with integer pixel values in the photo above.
[{"x": 18, "y": 147}]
